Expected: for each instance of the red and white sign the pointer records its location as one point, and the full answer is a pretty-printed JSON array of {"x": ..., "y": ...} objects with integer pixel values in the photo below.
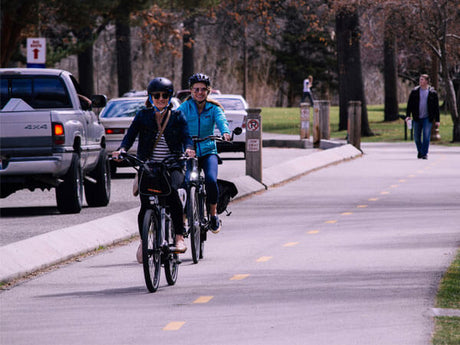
[
  {"x": 253, "y": 125},
  {"x": 36, "y": 50},
  {"x": 253, "y": 145}
]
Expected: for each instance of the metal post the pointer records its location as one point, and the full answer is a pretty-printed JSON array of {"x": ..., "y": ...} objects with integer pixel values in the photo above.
[
  {"x": 304, "y": 121},
  {"x": 354, "y": 123},
  {"x": 316, "y": 127},
  {"x": 254, "y": 144}
]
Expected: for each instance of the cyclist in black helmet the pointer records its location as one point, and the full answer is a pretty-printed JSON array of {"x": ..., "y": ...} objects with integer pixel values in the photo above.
[
  {"x": 174, "y": 141},
  {"x": 203, "y": 114}
]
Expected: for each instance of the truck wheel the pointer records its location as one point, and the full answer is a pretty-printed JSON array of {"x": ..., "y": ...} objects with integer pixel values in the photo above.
[
  {"x": 98, "y": 194},
  {"x": 69, "y": 193}
]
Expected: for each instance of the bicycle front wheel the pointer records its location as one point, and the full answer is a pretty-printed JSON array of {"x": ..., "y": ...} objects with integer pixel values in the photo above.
[
  {"x": 151, "y": 250},
  {"x": 171, "y": 260},
  {"x": 194, "y": 224}
]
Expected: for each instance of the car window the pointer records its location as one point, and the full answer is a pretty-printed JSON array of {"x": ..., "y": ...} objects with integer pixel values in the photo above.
[
  {"x": 38, "y": 92},
  {"x": 122, "y": 108},
  {"x": 231, "y": 103}
]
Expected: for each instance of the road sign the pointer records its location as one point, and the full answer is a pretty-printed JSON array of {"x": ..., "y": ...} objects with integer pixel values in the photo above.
[
  {"x": 253, "y": 125},
  {"x": 36, "y": 52}
]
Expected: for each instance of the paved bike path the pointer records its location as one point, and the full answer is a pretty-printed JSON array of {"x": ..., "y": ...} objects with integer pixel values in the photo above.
[{"x": 27, "y": 256}]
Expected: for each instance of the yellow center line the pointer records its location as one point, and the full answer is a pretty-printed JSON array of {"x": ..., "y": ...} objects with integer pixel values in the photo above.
[
  {"x": 394, "y": 186},
  {"x": 173, "y": 326},
  {"x": 203, "y": 299},
  {"x": 373, "y": 199},
  {"x": 239, "y": 276},
  {"x": 312, "y": 232},
  {"x": 330, "y": 221},
  {"x": 346, "y": 213},
  {"x": 402, "y": 180},
  {"x": 384, "y": 192},
  {"x": 290, "y": 244},
  {"x": 361, "y": 206},
  {"x": 264, "y": 258}
]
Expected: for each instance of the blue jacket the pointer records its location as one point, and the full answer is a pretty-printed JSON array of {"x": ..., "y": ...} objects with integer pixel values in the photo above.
[
  {"x": 202, "y": 125},
  {"x": 176, "y": 133}
]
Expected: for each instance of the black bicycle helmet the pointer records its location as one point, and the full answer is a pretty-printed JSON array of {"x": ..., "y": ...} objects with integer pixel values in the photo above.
[
  {"x": 199, "y": 78},
  {"x": 160, "y": 85}
]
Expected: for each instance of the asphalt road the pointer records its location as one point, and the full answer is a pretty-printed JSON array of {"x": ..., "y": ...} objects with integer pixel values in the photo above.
[
  {"x": 25, "y": 214},
  {"x": 351, "y": 254}
]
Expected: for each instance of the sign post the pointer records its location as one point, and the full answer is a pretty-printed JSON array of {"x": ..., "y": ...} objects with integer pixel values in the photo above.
[
  {"x": 36, "y": 52},
  {"x": 254, "y": 144}
]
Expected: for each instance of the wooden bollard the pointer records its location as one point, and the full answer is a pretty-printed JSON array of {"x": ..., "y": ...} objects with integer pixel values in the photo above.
[
  {"x": 254, "y": 144},
  {"x": 354, "y": 123},
  {"x": 304, "y": 121},
  {"x": 324, "y": 122},
  {"x": 316, "y": 128}
]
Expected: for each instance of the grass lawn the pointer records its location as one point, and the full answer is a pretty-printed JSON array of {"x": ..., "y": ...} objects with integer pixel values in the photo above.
[{"x": 287, "y": 121}]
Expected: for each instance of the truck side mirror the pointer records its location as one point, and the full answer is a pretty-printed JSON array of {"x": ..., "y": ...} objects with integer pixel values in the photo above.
[{"x": 99, "y": 101}]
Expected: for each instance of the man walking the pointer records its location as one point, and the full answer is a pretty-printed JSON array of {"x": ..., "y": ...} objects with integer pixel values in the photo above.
[{"x": 423, "y": 104}]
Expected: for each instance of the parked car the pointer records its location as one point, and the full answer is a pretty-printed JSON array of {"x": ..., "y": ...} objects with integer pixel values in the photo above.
[
  {"x": 116, "y": 118},
  {"x": 235, "y": 110}
]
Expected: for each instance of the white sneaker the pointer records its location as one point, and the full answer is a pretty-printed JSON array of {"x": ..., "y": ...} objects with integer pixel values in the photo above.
[{"x": 139, "y": 253}]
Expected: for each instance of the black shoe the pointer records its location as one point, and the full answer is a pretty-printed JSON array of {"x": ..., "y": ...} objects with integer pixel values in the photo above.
[
  {"x": 424, "y": 157},
  {"x": 215, "y": 224},
  {"x": 419, "y": 155}
]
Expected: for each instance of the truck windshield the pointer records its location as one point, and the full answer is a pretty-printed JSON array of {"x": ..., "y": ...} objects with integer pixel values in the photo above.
[{"x": 38, "y": 92}]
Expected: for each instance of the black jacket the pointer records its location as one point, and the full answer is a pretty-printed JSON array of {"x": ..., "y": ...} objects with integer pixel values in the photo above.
[
  {"x": 176, "y": 133},
  {"x": 433, "y": 104}
]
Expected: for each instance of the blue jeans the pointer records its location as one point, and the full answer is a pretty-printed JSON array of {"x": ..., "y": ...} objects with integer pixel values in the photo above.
[
  {"x": 422, "y": 134},
  {"x": 209, "y": 164}
]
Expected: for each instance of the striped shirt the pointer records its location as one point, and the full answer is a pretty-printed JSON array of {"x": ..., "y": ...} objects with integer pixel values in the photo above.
[{"x": 161, "y": 150}]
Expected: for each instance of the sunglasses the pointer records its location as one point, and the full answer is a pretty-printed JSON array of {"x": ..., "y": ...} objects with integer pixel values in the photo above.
[
  {"x": 197, "y": 89},
  {"x": 157, "y": 95}
]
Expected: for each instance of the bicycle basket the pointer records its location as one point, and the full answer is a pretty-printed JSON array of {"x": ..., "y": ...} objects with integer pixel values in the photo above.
[{"x": 155, "y": 179}]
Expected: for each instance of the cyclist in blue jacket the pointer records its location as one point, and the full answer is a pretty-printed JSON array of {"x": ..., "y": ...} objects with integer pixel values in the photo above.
[{"x": 202, "y": 115}]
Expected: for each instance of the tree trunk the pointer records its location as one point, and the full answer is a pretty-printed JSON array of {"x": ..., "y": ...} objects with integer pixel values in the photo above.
[
  {"x": 187, "y": 51},
  {"x": 123, "y": 46},
  {"x": 390, "y": 74},
  {"x": 85, "y": 71},
  {"x": 351, "y": 86}
]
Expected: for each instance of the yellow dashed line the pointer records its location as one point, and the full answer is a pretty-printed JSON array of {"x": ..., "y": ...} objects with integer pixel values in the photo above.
[
  {"x": 361, "y": 206},
  {"x": 394, "y": 186},
  {"x": 402, "y": 180},
  {"x": 173, "y": 326},
  {"x": 312, "y": 232},
  {"x": 330, "y": 221},
  {"x": 264, "y": 258},
  {"x": 203, "y": 299},
  {"x": 384, "y": 192},
  {"x": 239, "y": 276},
  {"x": 373, "y": 199},
  {"x": 290, "y": 244},
  {"x": 412, "y": 175},
  {"x": 346, "y": 213}
]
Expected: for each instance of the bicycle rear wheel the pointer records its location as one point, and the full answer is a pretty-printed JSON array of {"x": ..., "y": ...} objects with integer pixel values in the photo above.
[
  {"x": 194, "y": 224},
  {"x": 151, "y": 250},
  {"x": 171, "y": 260}
]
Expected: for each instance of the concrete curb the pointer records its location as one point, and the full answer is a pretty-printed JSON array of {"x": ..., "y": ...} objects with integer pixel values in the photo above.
[{"x": 24, "y": 257}]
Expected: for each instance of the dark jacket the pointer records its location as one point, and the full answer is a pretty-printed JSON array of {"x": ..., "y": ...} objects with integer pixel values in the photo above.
[
  {"x": 176, "y": 133},
  {"x": 433, "y": 104}
]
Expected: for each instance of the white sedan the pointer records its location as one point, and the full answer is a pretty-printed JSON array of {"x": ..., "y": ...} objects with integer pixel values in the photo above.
[{"x": 235, "y": 110}]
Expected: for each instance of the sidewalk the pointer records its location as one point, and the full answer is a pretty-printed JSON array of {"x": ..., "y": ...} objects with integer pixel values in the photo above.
[{"x": 24, "y": 257}]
